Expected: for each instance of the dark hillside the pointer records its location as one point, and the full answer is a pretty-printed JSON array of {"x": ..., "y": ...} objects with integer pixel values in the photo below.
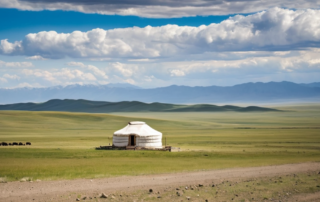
[{"x": 127, "y": 106}]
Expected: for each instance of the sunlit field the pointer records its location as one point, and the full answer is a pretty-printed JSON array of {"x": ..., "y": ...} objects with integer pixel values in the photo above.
[{"x": 63, "y": 143}]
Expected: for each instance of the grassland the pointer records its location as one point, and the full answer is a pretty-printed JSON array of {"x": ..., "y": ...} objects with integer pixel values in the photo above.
[{"x": 63, "y": 143}]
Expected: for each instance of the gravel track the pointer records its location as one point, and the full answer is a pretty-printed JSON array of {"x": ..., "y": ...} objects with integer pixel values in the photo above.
[{"x": 48, "y": 190}]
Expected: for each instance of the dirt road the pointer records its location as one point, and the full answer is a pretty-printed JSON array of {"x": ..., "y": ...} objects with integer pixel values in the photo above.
[{"x": 52, "y": 190}]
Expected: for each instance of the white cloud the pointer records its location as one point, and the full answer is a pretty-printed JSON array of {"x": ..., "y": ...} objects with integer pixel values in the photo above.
[
  {"x": 140, "y": 60},
  {"x": 3, "y": 80},
  {"x": 300, "y": 61},
  {"x": 131, "y": 81},
  {"x": 8, "y": 76},
  {"x": 119, "y": 67},
  {"x": 177, "y": 72},
  {"x": 7, "y": 47},
  {"x": 59, "y": 76},
  {"x": 242, "y": 67},
  {"x": 300, "y": 66},
  {"x": 25, "y": 85},
  {"x": 76, "y": 64},
  {"x": 67, "y": 74},
  {"x": 103, "y": 82},
  {"x": 149, "y": 78},
  {"x": 272, "y": 30},
  {"x": 96, "y": 71},
  {"x": 162, "y": 9},
  {"x": 15, "y": 64},
  {"x": 19, "y": 64},
  {"x": 36, "y": 57}
]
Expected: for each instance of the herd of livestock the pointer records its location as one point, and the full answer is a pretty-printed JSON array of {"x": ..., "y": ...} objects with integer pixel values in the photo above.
[{"x": 14, "y": 143}]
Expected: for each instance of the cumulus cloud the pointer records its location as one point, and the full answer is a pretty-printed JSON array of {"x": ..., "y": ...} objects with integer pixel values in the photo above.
[
  {"x": 149, "y": 78},
  {"x": 28, "y": 85},
  {"x": 131, "y": 81},
  {"x": 76, "y": 64},
  {"x": 158, "y": 8},
  {"x": 273, "y": 30},
  {"x": 6, "y": 77},
  {"x": 140, "y": 60},
  {"x": 299, "y": 66},
  {"x": 15, "y": 64},
  {"x": 7, "y": 47},
  {"x": 59, "y": 76},
  {"x": 305, "y": 61},
  {"x": 119, "y": 67},
  {"x": 36, "y": 57},
  {"x": 3, "y": 80},
  {"x": 14, "y": 77},
  {"x": 96, "y": 71},
  {"x": 24, "y": 85},
  {"x": 299, "y": 62},
  {"x": 177, "y": 72}
]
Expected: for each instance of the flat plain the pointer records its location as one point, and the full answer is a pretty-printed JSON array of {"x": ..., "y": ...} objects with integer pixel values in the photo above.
[
  {"x": 63, "y": 151},
  {"x": 63, "y": 143}
]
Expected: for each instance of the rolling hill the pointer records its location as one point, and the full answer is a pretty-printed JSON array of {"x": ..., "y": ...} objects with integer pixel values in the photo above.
[{"x": 127, "y": 106}]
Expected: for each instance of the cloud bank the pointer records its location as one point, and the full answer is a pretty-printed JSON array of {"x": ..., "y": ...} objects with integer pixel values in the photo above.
[
  {"x": 273, "y": 30},
  {"x": 15, "y": 64},
  {"x": 158, "y": 8},
  {"x": 301, "y": 66}
]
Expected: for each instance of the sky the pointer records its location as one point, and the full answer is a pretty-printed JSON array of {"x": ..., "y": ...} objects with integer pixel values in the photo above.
[{"x": 155, "y": 43}]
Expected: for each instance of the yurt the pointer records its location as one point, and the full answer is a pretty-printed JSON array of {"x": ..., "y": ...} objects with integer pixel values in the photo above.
[{"x": 137, "y": 134}]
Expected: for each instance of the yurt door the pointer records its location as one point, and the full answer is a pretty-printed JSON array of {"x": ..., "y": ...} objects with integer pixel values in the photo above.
[{"x": 132, "y": 140}]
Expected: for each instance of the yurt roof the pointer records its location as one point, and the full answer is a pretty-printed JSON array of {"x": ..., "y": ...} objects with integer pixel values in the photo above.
[{"x": 137, "y": 128}]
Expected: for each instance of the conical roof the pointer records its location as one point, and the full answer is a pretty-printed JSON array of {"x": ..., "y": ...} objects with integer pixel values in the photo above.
[{"x": 137, "y": 128}]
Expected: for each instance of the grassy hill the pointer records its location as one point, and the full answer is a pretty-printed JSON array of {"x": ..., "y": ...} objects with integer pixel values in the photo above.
[{"x": 88, "y": 106}]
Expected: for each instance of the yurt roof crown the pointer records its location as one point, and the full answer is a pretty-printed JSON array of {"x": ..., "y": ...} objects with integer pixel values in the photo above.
[{"x": 136, "y": 123}]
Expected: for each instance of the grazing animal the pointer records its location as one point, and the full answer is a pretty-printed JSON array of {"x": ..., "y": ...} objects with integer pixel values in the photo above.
[
  {"x": 4, "y": 144},
  {"x": 10, "y": 143},
  {"x": 28, "y": 143},
  {"x": 20, "y": 143},
  {"x": 14, "y": 143}
]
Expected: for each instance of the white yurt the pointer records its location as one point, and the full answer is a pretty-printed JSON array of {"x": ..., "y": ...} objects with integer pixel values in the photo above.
[{"x": 137, "y": 134}]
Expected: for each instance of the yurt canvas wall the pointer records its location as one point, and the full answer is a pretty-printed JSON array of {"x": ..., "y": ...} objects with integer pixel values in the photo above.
[{"x": 137, "y": 134}]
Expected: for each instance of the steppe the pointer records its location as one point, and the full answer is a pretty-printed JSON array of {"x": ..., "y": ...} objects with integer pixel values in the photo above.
[{"x": 273, "y": 155}]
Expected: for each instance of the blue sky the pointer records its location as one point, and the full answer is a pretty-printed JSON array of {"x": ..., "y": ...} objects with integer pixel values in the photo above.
[
  {"x": 153, "y": 44},
  {"x": 22, "y": 23}
]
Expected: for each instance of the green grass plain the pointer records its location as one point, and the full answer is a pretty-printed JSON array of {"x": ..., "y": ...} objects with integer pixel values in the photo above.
[{"x": 63, "y": 143}]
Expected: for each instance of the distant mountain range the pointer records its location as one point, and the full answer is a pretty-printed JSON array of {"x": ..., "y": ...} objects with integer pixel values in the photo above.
[
  {"x": 247, "y": 92},
  {"x": 315, "y": 84},
  {"x": 134, "y": 106}
]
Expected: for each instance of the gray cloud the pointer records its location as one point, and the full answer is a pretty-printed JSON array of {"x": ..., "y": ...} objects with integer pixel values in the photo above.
[
  {"x": 130, "y": 3},
  {"x": 171, "y": 3},
  {"x": 159, "y": 8}
]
